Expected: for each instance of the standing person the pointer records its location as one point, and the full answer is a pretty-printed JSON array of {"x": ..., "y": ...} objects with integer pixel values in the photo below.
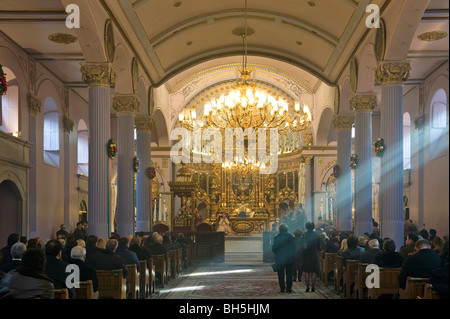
[
  {"x": 283, "y": 248},
  {"x": 297, "y": 270},
  {"x": 62, "y": 232},
  {"x": 79, "y": 232},
  {"x": 310, "y": 256}
]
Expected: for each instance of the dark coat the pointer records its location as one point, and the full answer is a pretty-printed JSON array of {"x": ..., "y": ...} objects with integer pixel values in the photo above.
[
  {"x": 79, "y": 234},
  {"x": 56, "y": 270},
  {"x": 10, "y": 265},
  {"x": 368, "y": 256},
  {"x": 310, "y": 255},
  {"x": 87, "y": 273},
  {"x": 128, "y": 256},
  {"x": 24, "y": 283},
  {"x": 141, "y": 253},
  {"x": 283, "y": 248},
  {"x": 108, "y": 260},
  {"x": 389, "y": 259},
  {"x": 419, "y": 265}
]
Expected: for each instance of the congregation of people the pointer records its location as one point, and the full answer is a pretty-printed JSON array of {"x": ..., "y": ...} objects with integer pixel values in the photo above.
[
  {"x": 298, "y": 256},
  {"x": 35, "y": 269}
]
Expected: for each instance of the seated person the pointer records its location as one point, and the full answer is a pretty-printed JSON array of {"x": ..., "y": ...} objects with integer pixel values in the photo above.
[
  {"x": 368, "y": 256},
  {"x": 388, "y": 258},
  {"x": 55, "y": 266},
  {"x": 17, "y": 251},
  {"x": 410, "y": 242},
  {"x": 421, "y": 264},
  {"x": 108, "y": 260},
  {"x": 353, "y": 252},
  {"x": 78, "y": 255}
]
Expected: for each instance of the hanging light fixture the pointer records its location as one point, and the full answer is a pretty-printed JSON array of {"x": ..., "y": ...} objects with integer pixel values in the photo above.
[{"x": 247, "y": 106}]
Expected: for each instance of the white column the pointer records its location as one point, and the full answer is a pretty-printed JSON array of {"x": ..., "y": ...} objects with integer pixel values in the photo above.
[
  {"x": 390, "y": 75},
  {"x": 308, "y": 189},
  {"x": 344, "y": 180},
  {"x": 363, "y": 105},
  {"x": 144, "y": 201},
  {"x": 35, "y": 106},
  {"x": 99, "y": 78},
  {"x": 125, "y": 106}
]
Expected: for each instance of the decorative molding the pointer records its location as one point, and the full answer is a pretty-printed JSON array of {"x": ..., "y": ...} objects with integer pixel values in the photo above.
[
  {"x": 380, "y": 42},
  {"x": 363, "y": 102},
  {"x": 62, "y": 38},
  {"x": 123, "y": 104},
  {"x": 432, "y": 36},
  {"x": 68, "y": 124},
  {"x": 353, "y": 75},
  {"x": 392, "y": 73},
  {"x": 110, "y": 46},
  {"x": 34, "y": 104},
  {"x": 343, "y": 122},
  {"x": 144, "y": 123},
  {"x": 98, "y": 75},
  {"x": 135, "y": 75}
]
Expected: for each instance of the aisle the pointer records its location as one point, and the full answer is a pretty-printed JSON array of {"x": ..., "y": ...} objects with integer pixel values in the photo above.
[{"x": 239, "y": 277}]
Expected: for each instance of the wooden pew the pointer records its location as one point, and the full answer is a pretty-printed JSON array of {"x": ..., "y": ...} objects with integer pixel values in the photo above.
[
  {"x": 328, "y": 266},
  {"x": 152, "y": 275},
  {"x": 349, "y": 274},
  {"x": 338, "y": 273},
  {"x": 62, "y": 293},
  {"x": 388, "y": 283},
  {"x": 414, "y": 288},
  {"x": 160, "y": 267},
  {"x": 360, "y": 281},
  {"x": 180, "y": 260},
  {"x": 174, "y": 263},
  {"x": 145, "y": 279},
  {"x": 85, "y": 291},
  {"x": 111, "y": 284},
  {"x": 429, "y": 292},
  {"x": 168, "y": 268},
  {"x": 133, "y": 284},
  {"x": 189, "y": 255}
]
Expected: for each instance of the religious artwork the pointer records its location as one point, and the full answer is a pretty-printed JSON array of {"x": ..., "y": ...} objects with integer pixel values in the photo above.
[
  {"x": 223, "y": 224},
  {"x": 242, "y": 186}
]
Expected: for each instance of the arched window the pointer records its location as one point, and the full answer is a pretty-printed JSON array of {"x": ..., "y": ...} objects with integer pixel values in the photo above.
[
  {"x": 10, "y": 105},
  {"x": 51, "y": 133},
  {"x": 438, "y": 124},
  {"x": 83, "y": 149},
  {"x": 406, "y": 141}
]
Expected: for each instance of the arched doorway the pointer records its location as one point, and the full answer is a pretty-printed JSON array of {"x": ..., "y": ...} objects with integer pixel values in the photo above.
[{"x": 10, "y": 210}]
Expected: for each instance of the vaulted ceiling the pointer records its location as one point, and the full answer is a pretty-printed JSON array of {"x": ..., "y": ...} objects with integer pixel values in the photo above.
[{"x": 174, "y": 39}]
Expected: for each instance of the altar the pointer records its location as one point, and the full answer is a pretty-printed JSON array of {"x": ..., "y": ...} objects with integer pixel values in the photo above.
[{"x": 248, "y": 226}]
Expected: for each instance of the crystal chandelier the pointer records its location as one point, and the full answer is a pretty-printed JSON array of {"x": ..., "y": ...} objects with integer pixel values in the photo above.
[{"x": 246, "y": 106}]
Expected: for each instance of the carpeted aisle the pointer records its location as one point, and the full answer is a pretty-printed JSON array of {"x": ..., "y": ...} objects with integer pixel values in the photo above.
[{"x": 241, "y": 277}]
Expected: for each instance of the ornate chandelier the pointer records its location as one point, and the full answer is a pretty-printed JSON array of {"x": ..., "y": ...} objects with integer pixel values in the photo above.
[{"x": 246, "y": 106}]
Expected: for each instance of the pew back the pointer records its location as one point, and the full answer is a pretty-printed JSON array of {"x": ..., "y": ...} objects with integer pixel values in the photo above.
[
  {"x": 85, "y": 291},
  {"x": 111, "y": 284},
  {"x": 349, "y": 274},
  {"x": 145, "y": 279},
  {"x": 414, "y": 288},
  {"x": 133, "y": 289},
  {"x": 328, "y": 265},
  {"x": 429, "y": 292},
  {"x": 360, "y": 280},
  {"x": 160, "y": 267},
  {"x": 338, "y": 269},
  {"x": 388, "y": 283},
  {"x": 61, "y": 293}
]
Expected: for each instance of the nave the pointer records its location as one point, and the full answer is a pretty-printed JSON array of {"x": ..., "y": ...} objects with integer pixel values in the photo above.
[{"x": 241, "y": 276}]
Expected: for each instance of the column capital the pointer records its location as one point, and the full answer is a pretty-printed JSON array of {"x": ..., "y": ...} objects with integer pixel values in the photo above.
[
  {"x": 34, "y": 104},
  {"x": 125, "y": 103},
  {"x": 68, "y": 124},
  {"x": 362, "y": 102},
  {"x": 419, "y": 122},
  {"x": 392, "y": 72},
  {"x": 144, "y": 123},
  {"x": 306, "y": 159},
  {"x": 343, "y": 122},
  {"x": 98, "y": 74}
]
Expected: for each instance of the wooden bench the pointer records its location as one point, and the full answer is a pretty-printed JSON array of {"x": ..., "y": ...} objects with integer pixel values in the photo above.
[
  {"x": 145, "y": 279},
  {"x": 414, "y": 288},
  {"x": 360, "y": 281},
  {"x": 85, "y": 291},
  {"x": 112, "y": 284},
  {"x": 160, "y": 267},
  {"x": 328, "y": 266},
  {"x": 152, "y": 275},
  {"x": 174, "y": 263},
  {"x": 350, "y": 271},
  {"x": 133, "y": 283},
  {"x": 62, "y": 293},
  {"x": 388, "y": 283},
  {"x": 338, "y": 273},
  {"x": 429, "y": 292},
  {"x": 180, "y": 260}
]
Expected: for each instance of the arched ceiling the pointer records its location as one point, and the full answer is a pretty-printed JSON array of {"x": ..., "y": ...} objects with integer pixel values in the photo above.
[{"x": 317, "y": 36}]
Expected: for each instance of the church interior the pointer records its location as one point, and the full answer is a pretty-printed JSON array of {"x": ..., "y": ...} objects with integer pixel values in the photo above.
[{"x": 117, "y": 113}]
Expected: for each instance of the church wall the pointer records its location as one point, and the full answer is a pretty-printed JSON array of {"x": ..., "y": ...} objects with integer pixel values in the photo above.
[{"x": 436, "y": 169}]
